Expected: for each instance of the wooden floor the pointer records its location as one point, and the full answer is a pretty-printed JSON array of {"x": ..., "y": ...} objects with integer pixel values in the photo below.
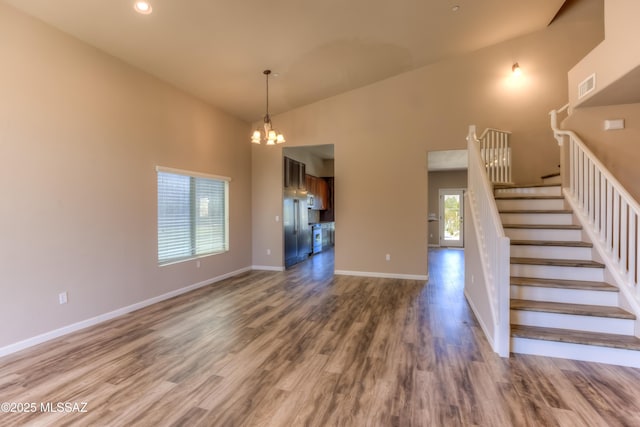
[{"x": 306, "y": 348}]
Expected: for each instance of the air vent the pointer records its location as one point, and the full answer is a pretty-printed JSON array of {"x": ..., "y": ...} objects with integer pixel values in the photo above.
[{"x": 587, "y": 86}]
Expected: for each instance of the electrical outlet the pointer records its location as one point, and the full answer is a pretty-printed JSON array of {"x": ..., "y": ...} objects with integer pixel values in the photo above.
[
  {"x": 268, "y": 251},
  {"x": 62, "y": 297},
  {"x": 388, "y": 257},
  {"x": 198, "y": 264}
]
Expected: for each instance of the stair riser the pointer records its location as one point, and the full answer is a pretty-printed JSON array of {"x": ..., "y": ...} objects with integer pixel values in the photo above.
[
  {"x": 528, "y": 204},
  {"x": 533, "y": 218},
  {"x": 544, "y": 234},
  {"x": 553, "y": 252},
  {"x": 588, "y": 353},
  {"x": 554, "y": 272},
  {"x": 570, "y": 296},
  {"x": 572, "y": 321},
  {"x": 529, "y": 191}
]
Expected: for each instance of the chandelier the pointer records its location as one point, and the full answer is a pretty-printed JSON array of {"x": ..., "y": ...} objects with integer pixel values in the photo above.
[{"x": 269, "y": 134}]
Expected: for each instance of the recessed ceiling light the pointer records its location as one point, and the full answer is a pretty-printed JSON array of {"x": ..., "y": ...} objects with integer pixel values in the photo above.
[
  {"x": 455, "y": 8},
  {"x": 143, "y": 7}
]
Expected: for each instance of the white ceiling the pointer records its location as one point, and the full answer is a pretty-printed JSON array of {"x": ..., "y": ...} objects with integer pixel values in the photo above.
[{"x": 217, "y": 49}]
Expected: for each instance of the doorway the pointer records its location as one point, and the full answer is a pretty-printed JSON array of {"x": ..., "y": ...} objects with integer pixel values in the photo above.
[
  {"x": 447, "y": 171},
  {"x": 451, "y": 217},
  {"x": 309, "y": 203}
]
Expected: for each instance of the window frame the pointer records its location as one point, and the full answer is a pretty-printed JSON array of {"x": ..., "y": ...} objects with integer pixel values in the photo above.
[{"x": 192, "y": 208}]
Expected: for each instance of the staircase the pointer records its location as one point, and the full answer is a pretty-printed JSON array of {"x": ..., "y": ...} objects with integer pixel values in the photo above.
[{"x": 561, "y": 303}]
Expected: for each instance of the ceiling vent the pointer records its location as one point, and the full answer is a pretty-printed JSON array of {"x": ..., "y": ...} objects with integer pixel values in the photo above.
[{"x": 587, "y": 86}]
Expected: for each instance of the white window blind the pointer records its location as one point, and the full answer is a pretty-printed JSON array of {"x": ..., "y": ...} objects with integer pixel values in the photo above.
[{"x": 192, "y": 215}]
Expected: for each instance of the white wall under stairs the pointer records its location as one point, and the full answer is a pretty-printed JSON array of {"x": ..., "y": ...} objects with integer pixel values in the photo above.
[{"x": 561, "y": 305}]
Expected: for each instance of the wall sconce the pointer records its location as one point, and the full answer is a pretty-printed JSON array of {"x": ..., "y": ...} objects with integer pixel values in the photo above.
[
  {"x": 516, "y": 69},
  {"x": 143, "y": 7}
]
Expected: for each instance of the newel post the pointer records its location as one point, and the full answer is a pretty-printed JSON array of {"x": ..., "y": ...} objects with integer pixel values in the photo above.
[
  {"x": 564, "y": 169},
  {"x": 471, "y": 137}
]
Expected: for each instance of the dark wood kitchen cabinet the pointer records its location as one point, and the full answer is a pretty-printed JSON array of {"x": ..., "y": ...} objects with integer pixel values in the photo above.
[
  {"x": 318, "y": 187},
  {"x": 322, "y": 193},
  {"x": 328, "y": 213},
  {"x": 308, "y": 179}
]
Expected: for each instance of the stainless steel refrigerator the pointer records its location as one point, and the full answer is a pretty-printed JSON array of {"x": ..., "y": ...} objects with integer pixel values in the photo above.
[{"x": 297, "y": 233}]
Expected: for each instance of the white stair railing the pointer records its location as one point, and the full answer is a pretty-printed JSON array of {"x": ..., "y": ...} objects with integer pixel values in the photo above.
[
  {"x": 493, "y": 245},
  {"x": 610, "y": 214},
  {"x": 495, "y": 151}
]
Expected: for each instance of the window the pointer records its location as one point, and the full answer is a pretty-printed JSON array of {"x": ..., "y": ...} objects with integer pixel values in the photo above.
[{"x": 193, "y": 215}]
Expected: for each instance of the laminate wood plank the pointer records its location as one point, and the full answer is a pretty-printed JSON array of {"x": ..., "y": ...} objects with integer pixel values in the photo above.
[
  {"x": 145, "y": 399},
  {"x": 535, "y": 211},
  {"x": 555, "y": 371},
  {"x": 264, "y": 415},
  {"x": 560, "y": 243},
  {"x": 566, "y": 284},
  {"x": 597, "y": 400},
  {"x": 544, "y": 383},
  {"x": 567, "y": 308},
  {"x": 319, "y": 403},
  {"x": 304, "y": 347},
  {"x": 619, "y": 396},
  {"x": 524, "y": 197},
  {"x": 557, "y": 262},
  {"x": 192, "y": 417},
  {"x": 534, "y": 185},
  {"x": 544, "y": 226},
  {"x": 577, "y": 337},
  {"x": 484, "y": 384}
]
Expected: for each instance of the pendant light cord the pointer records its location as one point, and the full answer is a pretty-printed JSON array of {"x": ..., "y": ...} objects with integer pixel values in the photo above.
[{"x": 266, "y": 73}]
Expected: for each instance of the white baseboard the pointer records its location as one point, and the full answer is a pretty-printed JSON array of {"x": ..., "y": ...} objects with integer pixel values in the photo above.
[
  {"x": 382, "y": 275},
  {"x": 483, "y": 325},
  {"x": 434, "y": 245},
  {"x": 47, "y": 336},
  {"x": 266, "y": 268}
]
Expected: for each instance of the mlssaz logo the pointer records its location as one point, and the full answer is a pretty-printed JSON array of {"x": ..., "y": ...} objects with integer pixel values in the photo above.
[{"x": 66, "y": 407}]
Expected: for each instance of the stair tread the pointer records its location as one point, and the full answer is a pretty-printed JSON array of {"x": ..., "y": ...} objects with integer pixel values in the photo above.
[
  {"x": 563, "y": 284},
  {"x": 575, "y": 309},
  {"x": 551, "y": 175},
  {"x": 544, "y": 226},
  {"x": 626, "y": 342},
  {"x": 537, "y": 211},
  {"x": 573, "y": 244},
  {"x": 527, "y": 197},
  {"x": 557, "y": 262},
  {"x": 535, "y": 185}
]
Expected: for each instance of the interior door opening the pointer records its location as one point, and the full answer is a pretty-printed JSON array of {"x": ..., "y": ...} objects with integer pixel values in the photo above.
[{"x": 309, "y": 203}]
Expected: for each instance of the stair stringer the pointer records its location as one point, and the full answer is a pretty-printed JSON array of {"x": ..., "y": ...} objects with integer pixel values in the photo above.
[{"x": 612, "y": 272}]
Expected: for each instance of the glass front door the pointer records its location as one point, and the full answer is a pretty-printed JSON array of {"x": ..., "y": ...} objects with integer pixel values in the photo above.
[{"x": 451, "y": 218}]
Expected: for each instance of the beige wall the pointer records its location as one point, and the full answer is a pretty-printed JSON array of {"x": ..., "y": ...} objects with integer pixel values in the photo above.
[
  {"x": 615, "y": 62},
  {"x": 616, "y": 56},
  {"x": 439, "y": 180},
  {"x": 80, "y": 136},
  {"x": 382, "y": 134},
  {"x": 618, "y": 150}
]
